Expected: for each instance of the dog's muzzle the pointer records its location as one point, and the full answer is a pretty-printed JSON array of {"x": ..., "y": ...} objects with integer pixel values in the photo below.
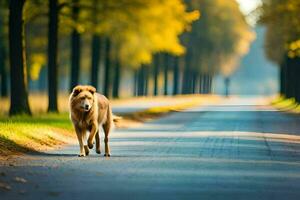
[{"x": 86, "y": 108}]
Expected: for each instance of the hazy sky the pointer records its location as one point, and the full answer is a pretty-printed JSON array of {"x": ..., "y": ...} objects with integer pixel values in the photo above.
[{"x": 248, "y": 5}]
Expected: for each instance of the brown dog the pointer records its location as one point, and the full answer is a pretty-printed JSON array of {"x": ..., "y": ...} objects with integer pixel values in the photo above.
[{"x": 88, "y": 111}]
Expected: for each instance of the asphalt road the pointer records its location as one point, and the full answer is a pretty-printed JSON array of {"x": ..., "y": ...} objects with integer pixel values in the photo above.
[{"x": 240, "y": 149}]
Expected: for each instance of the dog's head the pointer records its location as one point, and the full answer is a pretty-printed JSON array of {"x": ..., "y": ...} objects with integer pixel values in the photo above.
[{"x": 82, "y": 97}]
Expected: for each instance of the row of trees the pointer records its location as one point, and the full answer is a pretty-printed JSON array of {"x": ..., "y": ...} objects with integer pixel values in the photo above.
[
  {"x": 282, "y": 42},
  {"x": 150, "y": 38},
  {"x": 216, "y": 42}
]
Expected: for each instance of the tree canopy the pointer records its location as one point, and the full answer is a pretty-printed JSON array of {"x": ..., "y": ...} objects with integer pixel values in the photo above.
[
  {"x": 282, "y": 21},
  {"x": 140, "y": 28},
  {"x": 219, "y": 39}
]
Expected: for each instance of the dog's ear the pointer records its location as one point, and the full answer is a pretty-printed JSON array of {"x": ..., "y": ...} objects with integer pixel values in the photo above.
[
  {"x": 76, "y": 90},
  {"x": 91, "y": 89}
]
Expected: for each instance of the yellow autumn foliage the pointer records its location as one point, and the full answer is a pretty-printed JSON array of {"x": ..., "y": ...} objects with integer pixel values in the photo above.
[
  {"x": 219, "y": 40},
  {"x": 140, "y": 28},
  {"x": 283, "y": 28},
  {"x": 37, "y": 60}
]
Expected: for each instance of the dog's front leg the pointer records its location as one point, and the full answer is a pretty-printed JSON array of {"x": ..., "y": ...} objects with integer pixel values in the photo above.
[
  {"x": 93, "y": 132},
  {"x": 80, "y": 141}
]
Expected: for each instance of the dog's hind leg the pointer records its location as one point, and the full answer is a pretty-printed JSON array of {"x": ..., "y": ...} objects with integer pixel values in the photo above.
[
  {"x": 98, "y": 151},
  {"x": 106, "y": 128}
]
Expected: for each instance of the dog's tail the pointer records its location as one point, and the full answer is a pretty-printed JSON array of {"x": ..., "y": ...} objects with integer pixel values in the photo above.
[{"x": 116, "y": 118}]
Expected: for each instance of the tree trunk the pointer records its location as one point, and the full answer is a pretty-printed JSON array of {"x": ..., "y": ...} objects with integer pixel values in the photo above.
[
  {"x": 146, "y": 80},
  {"x": 3, "y": 71},
  {"x": 75, "y": 48},
  {"x": 138, "y": 86},
  {"x": 200, "y": 84},
  {"x": 176, "y": 76},
  {"x": 194, "y": 82},
  {"x": 286, "y": 82},
  {"x": 210, "y": 84},
  {"x": 156, "y": 72},
  {"x": 135, "y": 82},
  {"x": 290, "y": 78},
  {"x": 297, "y": 66},
  {"x": 116, "y": 84},
  {"x": 3, "y": 58},
  {"x": 190, "y": 89},
  {"x": 283, "y": 78},
  {"x": 141, "y": 81},
  {"x": 288, "y": 89},
  {"x": 186, "y": 85},
  {"x": 107, "y": 68},
  {"x": 52, "y": 55},
  {"x": 166, "y": 70},
  {"x": 296, "y": 71},
  {"x": 204, "y": 84},
  {"x": 18, "y": 74},
  {"x": 95, "y": 60}
]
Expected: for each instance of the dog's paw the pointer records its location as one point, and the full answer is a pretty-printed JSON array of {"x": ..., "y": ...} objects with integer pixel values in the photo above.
[
  {"x": 90, "y": 145},
  {"x": 107, "y": 155},
  {"x": 98, "y": 151},
  {"x": 81, "y": 155},
  {"x": 86, "y": 150}
]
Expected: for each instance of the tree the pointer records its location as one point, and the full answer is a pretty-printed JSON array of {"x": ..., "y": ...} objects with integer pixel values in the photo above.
[
  {"x": 3, "y": 71},
  {"x": 18, "y": 71},
  {"x": 52, "y": 55},
  {"x": 75, "y": 46},
  {"x": 216, "y": 42},
  {"x": 176, "y": 76},
  {"x": 107, "y": 74},
  {"x": 166, "y": 63},
  {"x": 96, "y": 47},
  {"x": 117, "y": 77},
  {"x": 156, "y": 62},
  {"x": 3, "y": 48},
  {"x": 282, "y": 42},
  {"x": 96, "y": 44}
]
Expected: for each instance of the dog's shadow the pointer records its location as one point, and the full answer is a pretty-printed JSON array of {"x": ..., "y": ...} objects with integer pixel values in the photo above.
[
  {"x": 89, "y": 156},
  {"x": 74, "y": 155},
  {"x": 53, "y": 154}
]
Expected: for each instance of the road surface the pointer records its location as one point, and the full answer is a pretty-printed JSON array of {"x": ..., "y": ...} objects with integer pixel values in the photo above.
[{"x": 239, "y": 149}]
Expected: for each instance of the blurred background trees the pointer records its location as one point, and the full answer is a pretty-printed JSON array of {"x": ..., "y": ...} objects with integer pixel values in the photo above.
[
  {"x": 215, "y": 44},
  {"x": 122, "y": 47},
  {"x": 282, "y": 42}
]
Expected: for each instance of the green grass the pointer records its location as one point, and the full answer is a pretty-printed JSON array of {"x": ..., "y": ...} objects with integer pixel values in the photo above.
[
  {"x": 53, "y": 119},
  {"x": 286, "y": 104},
  {"x": 25, "y": 133}
]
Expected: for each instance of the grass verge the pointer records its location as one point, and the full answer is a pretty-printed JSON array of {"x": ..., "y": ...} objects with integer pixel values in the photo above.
[
  {"x": 21, "y": 134},
  {"x": 288, "y": 105}
]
